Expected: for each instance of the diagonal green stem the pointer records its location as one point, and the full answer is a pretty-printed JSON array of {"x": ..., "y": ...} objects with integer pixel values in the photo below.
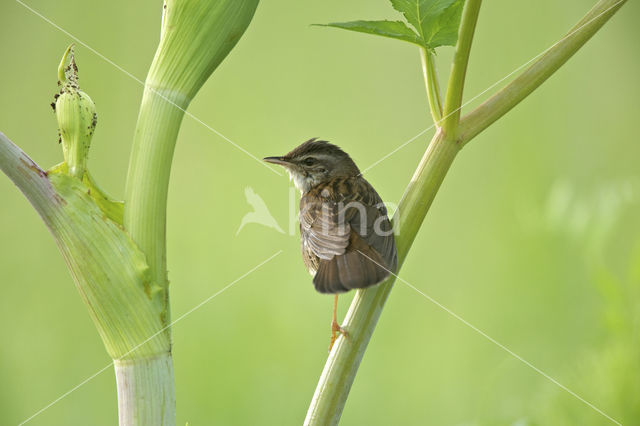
[
  {"x": 30, "y": 179},
  {"x": 343, "y": 362},
  {"x": 507, "y": 98},
  {"x": 366, "y": 307}
]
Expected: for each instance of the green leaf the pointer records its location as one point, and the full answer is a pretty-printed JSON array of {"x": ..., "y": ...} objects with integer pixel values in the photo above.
[
  {"x": 436, "y": 21},
  {"x": 391, "y": 29}
]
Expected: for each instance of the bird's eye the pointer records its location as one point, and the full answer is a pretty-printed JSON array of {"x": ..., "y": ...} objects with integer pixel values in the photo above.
[{"x": 310, "y": 161}]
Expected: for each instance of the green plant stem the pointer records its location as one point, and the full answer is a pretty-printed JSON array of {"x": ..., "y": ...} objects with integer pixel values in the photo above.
[
  {"x": 159, "y": 120},
  {"x": 366, "y": 307},
  {"x": 343, "y": 362},
  {"x": 431, "y": 84},
  {"x": 536, "y": 74},
  {"x": 455, "y": 87},
  {"x": 30, "y": 179},
  {"x": 146, "y": 393},
  {"x": 196, "y": 36},
  {"x": 153, "y": 396},
  {"x": 108, "y": 269}
]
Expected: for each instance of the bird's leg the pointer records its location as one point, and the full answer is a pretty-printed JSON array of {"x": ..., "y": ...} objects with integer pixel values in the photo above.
[{"x": 335, "y": 327}]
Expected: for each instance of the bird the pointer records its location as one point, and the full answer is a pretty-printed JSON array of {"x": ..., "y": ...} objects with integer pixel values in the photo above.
[{"x": 347, "y": 239}]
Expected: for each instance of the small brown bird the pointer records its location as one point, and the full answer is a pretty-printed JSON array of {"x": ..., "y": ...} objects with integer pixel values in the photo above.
[{"x": 347, "y": 239}]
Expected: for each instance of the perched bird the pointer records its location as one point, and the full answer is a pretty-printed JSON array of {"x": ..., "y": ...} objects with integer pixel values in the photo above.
[{"x": 347, "y": 239}]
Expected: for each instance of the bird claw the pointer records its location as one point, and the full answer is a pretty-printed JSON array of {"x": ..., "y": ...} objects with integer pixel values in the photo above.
[{"x": 335, "y": 330}]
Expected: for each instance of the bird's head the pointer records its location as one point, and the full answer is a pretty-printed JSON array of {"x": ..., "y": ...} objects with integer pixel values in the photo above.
[{"x": 315, "y": 162}]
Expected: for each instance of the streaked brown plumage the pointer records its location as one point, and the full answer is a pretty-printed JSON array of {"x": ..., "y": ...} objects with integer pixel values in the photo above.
[
  {"x": 347, "y": 239},
  {"x": 339, "y": 241}
]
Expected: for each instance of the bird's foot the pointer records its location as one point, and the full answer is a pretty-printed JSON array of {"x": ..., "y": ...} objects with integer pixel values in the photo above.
[{"x": 335, "y": 330}]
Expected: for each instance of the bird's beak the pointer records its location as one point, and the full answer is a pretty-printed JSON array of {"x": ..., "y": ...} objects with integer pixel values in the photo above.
[{"x": 276, "y": 160}]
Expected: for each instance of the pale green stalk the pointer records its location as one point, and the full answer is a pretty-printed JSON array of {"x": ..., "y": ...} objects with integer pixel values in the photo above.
[
  {"x": 144, "y": 391},
  {"x": 431, "y": 84},
  {"x": 343, "y": 362},
  {"x": 110, "y": 272},
  {"x": 196, "y": 37},
  {"x": 536, "y": 74},
  {"x": 366, "y": 307},
  {"x": 30, "y": 179},
  {"x": 455, "y": 87},
  {"x": 121, "y": 272}
]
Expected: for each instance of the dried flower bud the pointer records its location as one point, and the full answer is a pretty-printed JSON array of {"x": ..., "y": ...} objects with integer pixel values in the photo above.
[{"x": 76, "y": 114}]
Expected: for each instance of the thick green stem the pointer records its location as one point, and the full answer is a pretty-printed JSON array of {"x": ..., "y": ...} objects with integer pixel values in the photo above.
[
  {"x": 196, "y": 37},
  {"x": 431, "y": 84},
  {"x": 536, "y": 74},
  {"x": 366, "y": 307},
  {"x": 161, "y": 114},
  {"x": 146, "y": 393},
  {"x": 453, "y": 100},
  {"x": 109, "y": 271},
  {"x": 122, "y": 275}
]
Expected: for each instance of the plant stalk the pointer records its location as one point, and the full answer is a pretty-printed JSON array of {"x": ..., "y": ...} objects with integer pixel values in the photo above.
[
  {"x": 30, "y": 179},
  {"x": 453, "y": 100},
  {"x": 343, "y": 362},
  {"x": 146, "y": 393},
  {"x": 431, "y": 84},
  {"x": 341, "y": 367},
  {"x": 109, "y": 271},
  {"x": 159, "y": 120},
  {"x": 536, "y": 74},
  {"x": 196, "y": 36}
]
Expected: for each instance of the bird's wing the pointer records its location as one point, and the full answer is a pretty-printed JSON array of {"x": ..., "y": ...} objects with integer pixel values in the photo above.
[
  {"x": 371, "y": 222},
  {"x": 345, "y": 225},
  {"x": 320, "y": 230}
]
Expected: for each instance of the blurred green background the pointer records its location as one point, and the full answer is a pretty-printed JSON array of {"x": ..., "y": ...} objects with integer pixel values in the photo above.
[{"x": 534, "y": 237}]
